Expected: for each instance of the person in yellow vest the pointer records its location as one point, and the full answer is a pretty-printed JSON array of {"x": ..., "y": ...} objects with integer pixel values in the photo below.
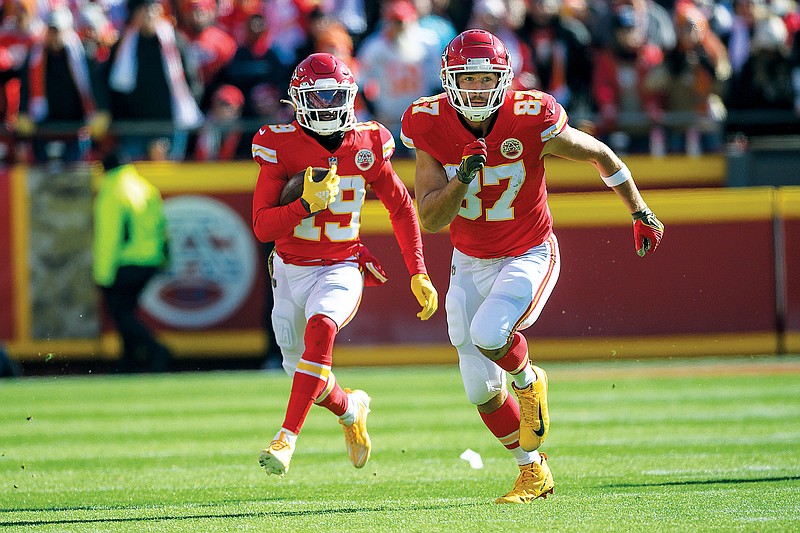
[{"x": 130, "y": 246}]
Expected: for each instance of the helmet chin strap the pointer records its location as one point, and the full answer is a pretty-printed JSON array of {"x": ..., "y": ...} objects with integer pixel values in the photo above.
[{"x": 477, "y": 117}]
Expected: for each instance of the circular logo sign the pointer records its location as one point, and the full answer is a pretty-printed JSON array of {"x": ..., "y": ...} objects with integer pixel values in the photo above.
[
  {"x": 365, "y": 159},
  {"x": 212, "y": 264},
  {"x": 511, "y": 148}
]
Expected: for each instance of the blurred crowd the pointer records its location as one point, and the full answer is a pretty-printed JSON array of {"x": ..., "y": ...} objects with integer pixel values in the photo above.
[{"x": 193, "y": 79}]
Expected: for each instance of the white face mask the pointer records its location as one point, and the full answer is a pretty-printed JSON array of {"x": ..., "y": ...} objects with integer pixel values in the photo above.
[
  {"x": 461, "y": 99},
  {"x": 326, "y": 107}
]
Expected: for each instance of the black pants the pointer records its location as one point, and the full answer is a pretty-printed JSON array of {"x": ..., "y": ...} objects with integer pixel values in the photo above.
[{"x": 140, "y": 349}]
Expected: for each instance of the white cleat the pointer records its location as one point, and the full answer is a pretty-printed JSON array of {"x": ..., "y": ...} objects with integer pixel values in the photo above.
[{"x": 276, "y": 457}]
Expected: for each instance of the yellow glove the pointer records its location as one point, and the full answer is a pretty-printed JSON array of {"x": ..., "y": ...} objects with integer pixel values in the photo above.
[
  {"x": 426, "y": 295},
  {"x": 320, "y": 194},
  {"x": 25, "y": 126},
  {"x": 98, "y": 124}
]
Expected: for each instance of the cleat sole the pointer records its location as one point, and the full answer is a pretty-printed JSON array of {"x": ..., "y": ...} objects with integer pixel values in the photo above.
[{"x": 272, "y": 465}]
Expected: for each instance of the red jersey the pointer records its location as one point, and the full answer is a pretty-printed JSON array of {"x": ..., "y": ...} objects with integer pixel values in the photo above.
[
  {"x": 363, "y": 160},
  {"x": 504, "y": 212},
  {"x": 213, "y": 49}
]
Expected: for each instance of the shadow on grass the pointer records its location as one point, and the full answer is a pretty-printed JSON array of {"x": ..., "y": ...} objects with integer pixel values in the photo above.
[
  {"x": 197, "y": 516},
  {"x": 722, "y": 481}
]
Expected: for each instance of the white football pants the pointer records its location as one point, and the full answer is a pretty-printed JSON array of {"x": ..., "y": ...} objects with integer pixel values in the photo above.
[
  {"x": 301, "y": 292},
  {"x": 488, "y": 300}
]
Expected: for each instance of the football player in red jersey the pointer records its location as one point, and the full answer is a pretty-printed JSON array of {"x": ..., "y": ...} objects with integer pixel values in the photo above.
[
  {"x": 480, "y": 169},
  {"x": 320, "y": 265}
]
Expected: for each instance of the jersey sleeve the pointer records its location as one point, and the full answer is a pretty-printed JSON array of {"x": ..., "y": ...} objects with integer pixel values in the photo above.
[
  {"x": 406, "y": 130},
  {"x": 263, "y": 147},
  {"x": 392, "y": 192},
  {"x": 394, "y": 195},
  {"x": 271, "y": 220},
  {"x": 386, "y": 142},
  {"x": 555, "y": 118},
  {"x": 417, "y": 121}
]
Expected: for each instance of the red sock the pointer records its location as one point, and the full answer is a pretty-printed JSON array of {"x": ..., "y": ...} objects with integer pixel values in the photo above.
[
  {"x": 335, "y": 401},
  {"x": 516, "y": 357},
  {"x": 312, "y": 371},
  {"x": 504, "y": 423}
]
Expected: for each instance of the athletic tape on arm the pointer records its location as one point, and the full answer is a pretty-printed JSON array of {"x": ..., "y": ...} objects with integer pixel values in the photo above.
[{"x": 620, "y": 176}]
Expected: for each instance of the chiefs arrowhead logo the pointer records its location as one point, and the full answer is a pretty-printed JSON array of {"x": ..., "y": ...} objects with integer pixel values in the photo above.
[{"x": 511, "y": 148}]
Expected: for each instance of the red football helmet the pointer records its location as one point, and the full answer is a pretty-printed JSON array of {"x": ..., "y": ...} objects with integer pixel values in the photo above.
[
  {"x": 476, "y": 51},
  {"x": 323, "y": 91}
]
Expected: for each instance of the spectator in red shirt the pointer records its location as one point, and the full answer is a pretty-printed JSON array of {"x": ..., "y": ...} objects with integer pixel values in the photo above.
[
  {"x": 210, "y": 46},
  {"x": 622, "y": 88},
  {"x": 19, "y": 28},
  {"x": 220, "y": 138},
  {"x": 235, "y": 18}
]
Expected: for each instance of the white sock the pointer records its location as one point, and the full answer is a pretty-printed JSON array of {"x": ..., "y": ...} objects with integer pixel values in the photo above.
[
  {"x": 526, "y": 377},
  {"x": 290, "y": 437},
  {"x": 349, "y": 416},
  {"x": 526, "y": 458}
]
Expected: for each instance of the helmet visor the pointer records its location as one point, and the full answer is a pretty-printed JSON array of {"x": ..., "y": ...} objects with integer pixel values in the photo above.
[{"x": 327, "y": 99}]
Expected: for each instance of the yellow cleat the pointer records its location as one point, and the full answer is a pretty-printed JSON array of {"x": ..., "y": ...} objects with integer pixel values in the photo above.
[
  {"x": 534, "y": 419},
  {"x": 355, "y": 435},
  {"x": 276, "y": 457},
  {"x": 534, "y": 481}
]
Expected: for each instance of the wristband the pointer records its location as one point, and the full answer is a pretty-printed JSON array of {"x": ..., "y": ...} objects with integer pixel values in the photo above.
[{"x": 617, "y": 178}]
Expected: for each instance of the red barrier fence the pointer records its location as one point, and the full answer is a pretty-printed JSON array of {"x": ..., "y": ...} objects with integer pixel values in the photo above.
[{"x": 725, "y": 281}]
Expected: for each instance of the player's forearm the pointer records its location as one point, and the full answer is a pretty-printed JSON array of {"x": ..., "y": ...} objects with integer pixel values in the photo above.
[
  {"x": 395, "y": 197},
  {"x": 438, "y": 199},
  {"x": 630, "y": 196},
  {"x": 270, "y": 223},
  {"x": 406, "y": 231},
  {"x": 438, "y": 208}
]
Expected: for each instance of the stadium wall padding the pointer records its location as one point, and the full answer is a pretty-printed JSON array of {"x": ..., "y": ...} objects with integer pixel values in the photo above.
[
  {"x": 726, "y": 279},
  {"x": 789, "y": 291},
  {"x": 7, "y": 317}
]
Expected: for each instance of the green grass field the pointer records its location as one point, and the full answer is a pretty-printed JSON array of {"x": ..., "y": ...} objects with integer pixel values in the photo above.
[{"x": 678, "y": 445}]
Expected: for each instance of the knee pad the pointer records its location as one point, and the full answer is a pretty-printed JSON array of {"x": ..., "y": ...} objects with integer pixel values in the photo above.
[
  {"x": 483, "y": 380},
  {"x": 456, "y": 307},
  {"x": 287, "y": 338},
  {"x": 286, "y": 335},
  {"x": 493, "y": 324},
  {"x": 318, "y": 339}
]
